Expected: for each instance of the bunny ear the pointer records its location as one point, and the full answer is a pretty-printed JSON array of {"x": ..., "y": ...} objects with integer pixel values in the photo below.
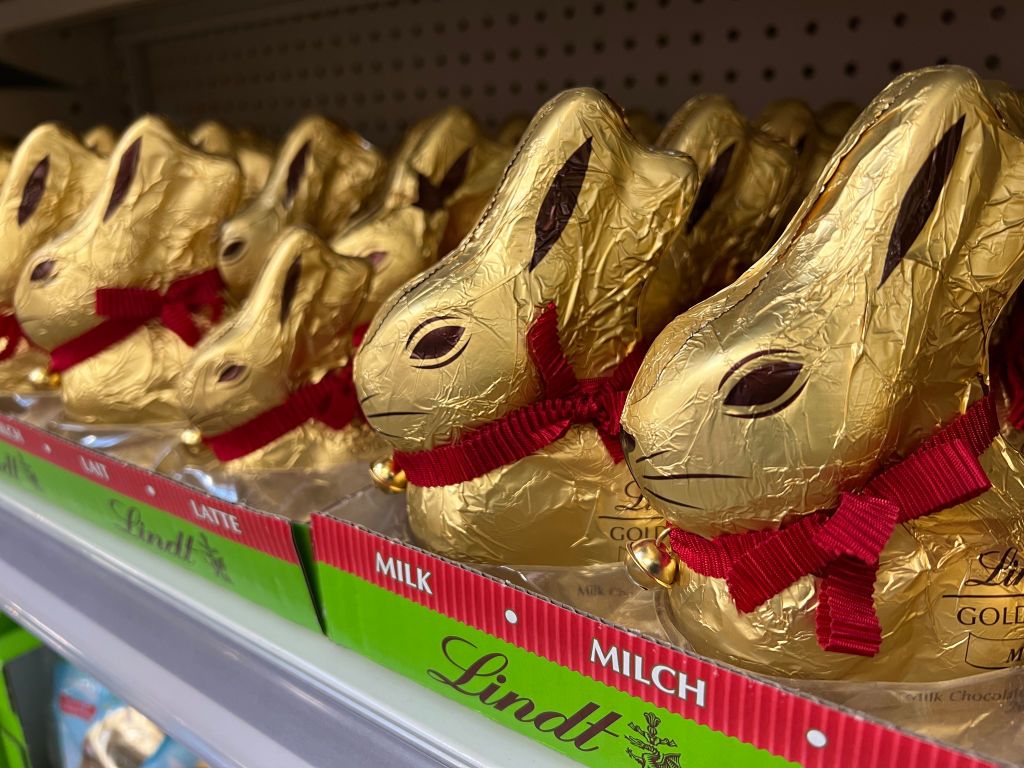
[
  {"x": 560, "y": 202},
  {"x": 456, "y": 175},
  {"x": 35, "y": 186},
  {"x": 296, "y": 170},
  {"x": 290, "y": 287},
  {"x": 921, "y": 197},
  {"x": 709, "y": 186},
  {"x": 430, "y": 197},
  {"x": 126, "y": 171}
]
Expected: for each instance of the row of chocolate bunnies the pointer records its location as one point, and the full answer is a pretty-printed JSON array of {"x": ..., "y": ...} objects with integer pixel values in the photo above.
[{"x": 818, "y": 435}]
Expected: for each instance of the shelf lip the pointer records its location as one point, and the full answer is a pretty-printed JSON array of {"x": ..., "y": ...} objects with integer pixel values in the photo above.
[
  {"x": 232, "y": 681},
  {"x": 19, "y": 15}
]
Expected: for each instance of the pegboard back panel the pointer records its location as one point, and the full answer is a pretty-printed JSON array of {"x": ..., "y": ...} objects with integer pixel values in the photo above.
[{"x": 380, "y": 65}]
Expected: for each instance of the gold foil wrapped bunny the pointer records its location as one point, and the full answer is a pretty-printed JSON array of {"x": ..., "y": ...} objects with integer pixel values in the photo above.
[
  {"x": 254, "y": 155},
  {"x": 444, "y": 173},
  {"x": 793, "y": 122},
  {"x": 747, "y": 181},
  {"x": 534, "y": 311},
  {"x": 51, "y": 180},
  {"x": 643, "y": 126},
  {"x": 511, "y": 130},
  {"x": 271, "y": 388},
  {"x": 828, "y": 402},
  {"x": 143, "y": 251},
  {"x": 321, "y": 177}
]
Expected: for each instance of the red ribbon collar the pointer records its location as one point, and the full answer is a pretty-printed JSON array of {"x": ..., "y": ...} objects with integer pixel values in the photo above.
[
  {"x": 128, "y": 309},
  {"x": 331, "y": 401},
  {"x": 842, "y": 547},
  {"x": 11, "y": 333},
  {"x": 524, "y": 431}
]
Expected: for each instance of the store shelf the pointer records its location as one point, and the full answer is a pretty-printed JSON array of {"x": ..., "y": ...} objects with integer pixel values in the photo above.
[{"x": 233, "y": 682}]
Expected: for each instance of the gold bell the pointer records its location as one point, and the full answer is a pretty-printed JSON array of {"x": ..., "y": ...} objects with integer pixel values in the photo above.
[
  {"x": 385, "y": 477},
  {"x": 43, "y": 379},
  {"x": 651, "y": 562},
  {"x": 191, "y": 437}
]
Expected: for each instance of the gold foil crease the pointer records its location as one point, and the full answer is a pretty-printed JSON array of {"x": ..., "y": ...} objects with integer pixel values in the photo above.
[
  {"x": 143, "y": 229},
  {"x": 322, "y": 175},
  {"x": 52, "y": 178},
  {"x": 569, "y": 503},
  {"x": 747, "y": 181},
  {"x": 879, "y": 353}
]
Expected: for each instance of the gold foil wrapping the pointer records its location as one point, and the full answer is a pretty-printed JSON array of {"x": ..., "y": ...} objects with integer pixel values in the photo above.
[
  {"x": 861, "y": 332},
  {"x": 747, "y": 181},
  {"x": 101, "y": 139},
  {"x": 254, "y": 155},
  {"x": 321, "y": 177},
  {"x": 569, "y": 503},
  {"x": 52, "y": 178},
  {"x": 442, "y": 175},
  {"x": 154, "y": 219},
  {"x": 295, "y": 327}
]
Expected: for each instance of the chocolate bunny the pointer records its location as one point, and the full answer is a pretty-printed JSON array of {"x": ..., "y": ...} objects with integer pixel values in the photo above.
[
  {"x": 287, "y": 349},
  {"x": 532, "y": 317},
  {"x": 747, "y": 181},
  {"x": 51, "y": 180},
  {"x": 820, "y": 409},
  {"x": 254, "y": 155},
  {"x": 321, "y": 177},
  {"x": 101, "y": 139},
  {"x": 144, "y": 250},
  {"x": 447, "y": 165}
]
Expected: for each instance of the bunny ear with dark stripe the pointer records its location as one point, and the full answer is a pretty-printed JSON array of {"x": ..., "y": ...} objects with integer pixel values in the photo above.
[
  {"x": 35, "y": 186},
  {"x": 431, "y": 197},
  {"x": 296, "y": 170},
  {"x": 126, "y": 171},
  {"x": 290, "y": 287},
  {"x": 560, "y": 202},
  {"x": 921, "y": 197},
  {"x": 709, "y": 186}
]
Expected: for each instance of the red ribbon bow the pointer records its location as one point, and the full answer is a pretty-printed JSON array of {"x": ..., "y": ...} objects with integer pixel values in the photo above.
[
  {"x": 332, "y": 401},
  {"x": 11, "y": 333},
  {"x": 128, "y": 309},
  {"x": 843, "y": 547},
  {"x": 524, "y": 431}
]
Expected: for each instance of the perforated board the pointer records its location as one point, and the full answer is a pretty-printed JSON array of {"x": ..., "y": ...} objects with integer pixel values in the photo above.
[{"x": 380, "y": 65}]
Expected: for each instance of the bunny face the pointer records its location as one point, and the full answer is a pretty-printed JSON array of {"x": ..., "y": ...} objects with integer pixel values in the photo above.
[
  {"x": 747, "y": 179},
  {"x": 859, "y": 333},
  {"x": 154, "y": 219},
  {"x": 294, "y": 327},
  {"x": 322, "y": 175},
  {"x": 578, "y": 220},
  {"x": 402, "y": 236},
  {"x": 52, "y": 179}
]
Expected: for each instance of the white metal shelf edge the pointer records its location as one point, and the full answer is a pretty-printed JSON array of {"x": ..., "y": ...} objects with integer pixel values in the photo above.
[{"x": 230, "y": 680}]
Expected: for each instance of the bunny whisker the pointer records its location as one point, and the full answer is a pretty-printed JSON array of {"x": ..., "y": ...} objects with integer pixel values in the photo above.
[
  {"x": 695, "y": 476},
  {"x": 654, "y": 455},
  {"x": 648, "y": 492}
]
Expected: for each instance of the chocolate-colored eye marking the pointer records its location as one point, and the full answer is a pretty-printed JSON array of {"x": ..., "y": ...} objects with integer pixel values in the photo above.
[
  {"x": 291, "y": 287},
  {"x": 43, "y": 271},
  {"x": 921, "y": 197},
  {"x": 560, "y": 202},
  {"x": 231, "y": 373},
  {"x": 800, "y": 144},
  {"x": 126, "y": 171},
  {"x": 766, "y": 385},
  {"x": 232, "y": 250},
  {"x": 437, "y": 343},
  {"x": 709, "y": 186},
  {"x": 432, "y": 198},
  {"x": 295, "y": 172},
  {"x": 35, "y": 185}
]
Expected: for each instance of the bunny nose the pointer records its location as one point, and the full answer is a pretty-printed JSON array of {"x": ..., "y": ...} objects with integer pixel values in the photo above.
[
  {"x": 233, "y": 250},
  {"x": 628, "y": 442}
]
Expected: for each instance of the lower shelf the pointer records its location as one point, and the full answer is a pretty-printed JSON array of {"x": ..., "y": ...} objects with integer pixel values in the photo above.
[{"x": 231, "y": 681}]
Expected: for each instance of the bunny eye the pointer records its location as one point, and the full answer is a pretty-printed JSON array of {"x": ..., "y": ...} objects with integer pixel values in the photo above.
[
  {"x": 126, "y": 171},
  {"x": 438, "y": 346},
  {"x": 43, "y": 271},
  {"x": 232, "y": 372},
  {"x": 35, "y": 186},
  {"x": 763, "y": 389}
]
